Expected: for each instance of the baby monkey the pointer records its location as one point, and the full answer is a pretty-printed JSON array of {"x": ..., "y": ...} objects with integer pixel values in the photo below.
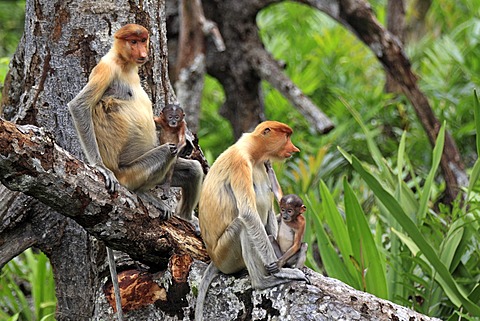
[
  {"x": 288, "y": 245},
  {"x": 171, "y": 125}
]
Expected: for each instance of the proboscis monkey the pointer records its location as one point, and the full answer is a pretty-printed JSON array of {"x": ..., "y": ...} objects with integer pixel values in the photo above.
[
  {"x": 288, "y": 245},
  {"x": 171, "y": 125},
  {"x": 114, "y": 121},
  {"x": 236, "y": 210}
]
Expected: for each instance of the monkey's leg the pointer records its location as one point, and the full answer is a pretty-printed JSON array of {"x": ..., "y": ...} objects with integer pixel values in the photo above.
[
  {"x": 116, "y": 288},
  {"x": 210, "y": 273},
  {"x": 301, "y": 256},
  {"x": 148, "y": 170},
  {"x": 155, "y": 201},
  {"x": 188, "y": 175},
  {"x": 166, "y": 185},
  {"x": 256, "y": 252}
]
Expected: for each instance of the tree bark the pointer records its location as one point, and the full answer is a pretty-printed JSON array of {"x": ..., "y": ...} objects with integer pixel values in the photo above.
[{"x": 395, "y": 25}]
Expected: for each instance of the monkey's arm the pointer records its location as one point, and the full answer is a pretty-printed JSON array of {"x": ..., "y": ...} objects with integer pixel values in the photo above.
[
  {"x": 181, "y": 136},
  {"x": 242, "y": 186},
  {"x": 81, "y": 108},
  {"x": 276, "y": 188}
]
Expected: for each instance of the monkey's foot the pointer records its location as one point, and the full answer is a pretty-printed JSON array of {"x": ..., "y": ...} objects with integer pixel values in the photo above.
[
  {"x": 272, "y": 268},
  {"x": 159, "y": 204},
  {"x": 292, "y": 274}
]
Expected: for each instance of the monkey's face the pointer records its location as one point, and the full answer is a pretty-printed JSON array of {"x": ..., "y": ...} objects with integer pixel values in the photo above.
[
  {"x": 291, "y": 206},
  {"x": 174, "y": 118},
  {"x": 288, "y": 213},
  {"x": 138, "y": 49},
  {"x": 282, "y": 147},
  {"x": 134, "y": 43}
]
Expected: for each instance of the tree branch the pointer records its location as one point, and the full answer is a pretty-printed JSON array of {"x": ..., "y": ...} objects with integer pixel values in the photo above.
[
  {"x": 32, "y": 163},
  {"x": 269, "y": 70},
  {"x": 232, "y": 298}
]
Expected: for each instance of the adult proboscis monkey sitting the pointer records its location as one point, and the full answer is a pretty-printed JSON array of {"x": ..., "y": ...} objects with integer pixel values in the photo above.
[{"x": 236, "y": 212}]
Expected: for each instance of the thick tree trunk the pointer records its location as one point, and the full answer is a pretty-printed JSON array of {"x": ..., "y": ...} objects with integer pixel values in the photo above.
[{"x": 62, "y": 42}]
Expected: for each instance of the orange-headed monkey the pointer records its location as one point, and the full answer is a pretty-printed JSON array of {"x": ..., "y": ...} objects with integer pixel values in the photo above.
[
  {"x": 114, "y": 121},
  {"x": 236, "y": 210}
]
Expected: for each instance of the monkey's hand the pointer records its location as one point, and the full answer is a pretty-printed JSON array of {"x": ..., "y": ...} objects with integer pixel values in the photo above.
[
  {"x": 173, "y": 148},
  {"x": 272, "y": 268},
  {"x": 111, "y": 182}
]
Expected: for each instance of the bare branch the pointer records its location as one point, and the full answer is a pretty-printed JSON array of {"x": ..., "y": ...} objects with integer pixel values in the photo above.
[{"x": 270, "y": 70}]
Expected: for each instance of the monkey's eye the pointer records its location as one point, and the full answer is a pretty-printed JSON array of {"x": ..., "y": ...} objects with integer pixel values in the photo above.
[
  {"x": 133, "y": 42},
  {"x": 290, "y": 212}
]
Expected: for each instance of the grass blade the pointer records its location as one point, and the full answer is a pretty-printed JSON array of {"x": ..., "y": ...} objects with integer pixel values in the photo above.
[{"x": 365, "y": 250}]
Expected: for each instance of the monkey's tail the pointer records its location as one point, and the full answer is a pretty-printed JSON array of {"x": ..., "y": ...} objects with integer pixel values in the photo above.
[{"x": 210, "y": 273}]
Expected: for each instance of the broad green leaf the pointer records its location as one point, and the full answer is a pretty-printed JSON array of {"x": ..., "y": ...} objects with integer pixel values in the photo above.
[
  {"x": 364, "y": 248},
  {"x": 476, "y": 168},
  {"x": 450, "y": 286},
  {"x": 372, "y": 146},
  {"x": 331, "y": 261},
  {"x": 476, "y": 113},
  {"x": 427, "y": 187},
  {"x": 338, "y": 228},
  {"x": 14, "y": 317}
]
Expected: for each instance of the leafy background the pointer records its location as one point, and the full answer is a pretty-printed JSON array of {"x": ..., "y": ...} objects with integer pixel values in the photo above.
[{"x": 372, "y": 185}]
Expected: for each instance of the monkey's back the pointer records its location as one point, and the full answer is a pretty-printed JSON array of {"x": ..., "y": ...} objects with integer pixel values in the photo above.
[{"x": 228, "y": 191}]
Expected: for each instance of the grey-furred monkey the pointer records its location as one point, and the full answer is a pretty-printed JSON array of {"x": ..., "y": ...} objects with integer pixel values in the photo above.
[
  {"x": 114, "y": 121},
  {"x": 236, "y": 210}
]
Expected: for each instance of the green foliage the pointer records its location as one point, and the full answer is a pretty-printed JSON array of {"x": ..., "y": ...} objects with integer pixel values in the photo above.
[
  {"x": 12, "y": 19},
  {"x": 417, "y": 257},
  {"x": 27, "y": 288}
]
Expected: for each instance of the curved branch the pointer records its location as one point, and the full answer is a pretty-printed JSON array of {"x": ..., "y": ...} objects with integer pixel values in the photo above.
[
  {"x": 32, "y": 163},
  {"x": 269, "y": 70}
]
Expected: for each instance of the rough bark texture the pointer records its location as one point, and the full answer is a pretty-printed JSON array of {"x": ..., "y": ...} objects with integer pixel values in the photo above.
[{"x": 395, "y": 25}]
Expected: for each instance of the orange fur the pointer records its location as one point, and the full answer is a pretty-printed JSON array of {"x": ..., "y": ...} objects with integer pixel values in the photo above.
[{"x": 237, "y": 185}]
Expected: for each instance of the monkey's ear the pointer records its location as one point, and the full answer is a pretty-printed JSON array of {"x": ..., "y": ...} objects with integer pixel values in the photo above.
[
  {"x": 266, "y": 131},
  {"x": 304, "y": 208}
]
